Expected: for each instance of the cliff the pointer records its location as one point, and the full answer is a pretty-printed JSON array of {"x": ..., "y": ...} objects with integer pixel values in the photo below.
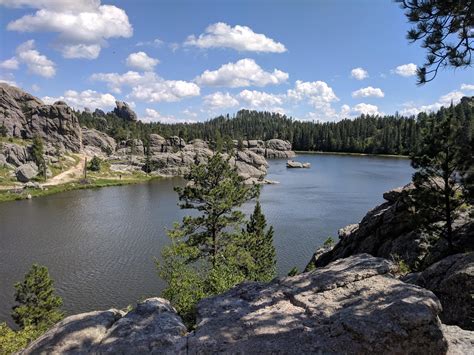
[{"x": 352, "y": 305}]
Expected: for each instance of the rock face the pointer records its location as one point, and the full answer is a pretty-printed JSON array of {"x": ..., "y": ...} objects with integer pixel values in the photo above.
[
  {"x": 124, "y": 111},
  {"x": 271, "y": 149},
  {"x": 25, "y": 116},
  {"x": 353, "y": 303},
  {"x": 452, "y": 281},
  {"x": 390, "y": 231},
  {"x": 26, "y": 172},
  {"x": 95, "y": 138}
]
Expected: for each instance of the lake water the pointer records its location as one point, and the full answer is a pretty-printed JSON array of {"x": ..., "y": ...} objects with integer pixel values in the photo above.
[{"x": 100, "y": 245}]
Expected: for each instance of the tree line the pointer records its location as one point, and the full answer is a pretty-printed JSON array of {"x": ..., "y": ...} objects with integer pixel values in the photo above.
[{"x": 391, "y": 134}]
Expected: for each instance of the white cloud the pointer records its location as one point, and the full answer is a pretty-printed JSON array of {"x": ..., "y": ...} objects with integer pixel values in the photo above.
[
  {"x": 406, "y": 70},
  {"x": 87, "y": 98},
  {"x": 368, "y": 92},
  {"x": 244, "y": 72},
  {"x": 152, "y": 115},
  {"x": 366, "y": 109},
  {"x": 445, "y": 100},
  {"x": 149, "y": 86},
  {"x": 9, "y": 64},
  {"x": 359, "y": 73},
  {"x": 467, "y": 87},
  {"x": 261, "y": 100},
  {"x": 37, "y": 63},
  {"x": 35, "y": 88},
  {"x": 219, "y": 100},
  {"x": 241, "y": 38},
  {"x": 85, "y": 51},
  {"x": 83, "y": 26},
  {"x": 141, "y": 61},
  {"x": 318, "y": 93},
  {"x": 153, "y": 43}
]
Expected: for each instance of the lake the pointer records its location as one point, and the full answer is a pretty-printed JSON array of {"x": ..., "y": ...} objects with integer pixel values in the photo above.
[{"x": 100, "y": 245}]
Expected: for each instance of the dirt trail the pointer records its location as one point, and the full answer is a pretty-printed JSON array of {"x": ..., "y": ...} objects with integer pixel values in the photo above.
[{"x": 72, "y": 174}]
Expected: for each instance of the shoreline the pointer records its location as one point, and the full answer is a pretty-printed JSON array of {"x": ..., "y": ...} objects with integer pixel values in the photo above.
[
  {"x": 11, "y": 195},
  {"x": 353, "y": 154}
]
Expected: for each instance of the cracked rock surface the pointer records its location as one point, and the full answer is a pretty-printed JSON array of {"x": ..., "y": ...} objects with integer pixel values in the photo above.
[{"x": 353, "y": 305}]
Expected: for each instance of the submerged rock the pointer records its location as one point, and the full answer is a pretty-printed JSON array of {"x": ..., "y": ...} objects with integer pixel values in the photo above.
[{"x": 296, "y": 164}]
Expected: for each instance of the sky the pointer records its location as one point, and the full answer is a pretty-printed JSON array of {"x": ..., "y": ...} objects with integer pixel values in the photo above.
[{"x": 177, "y": 60}]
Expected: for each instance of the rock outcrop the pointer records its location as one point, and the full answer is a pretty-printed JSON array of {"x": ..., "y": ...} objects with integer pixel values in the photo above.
[
  {"x": 297, "y": 165},
  {"x": 25, "y": 116},
  {"x": 353, "y": 303},
  {"x": 452, "y": 281},
  {"x": 98, "y": 139},
  {"x": 391, "y": 231},
  {"x": 271, "y": 149},
  {"x": 124, "y": 111}
]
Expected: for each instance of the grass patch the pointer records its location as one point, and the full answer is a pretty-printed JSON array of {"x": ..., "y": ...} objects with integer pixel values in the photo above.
[
  {"x": 92, "y": 183},
  {"x": 15, "y": 140}
]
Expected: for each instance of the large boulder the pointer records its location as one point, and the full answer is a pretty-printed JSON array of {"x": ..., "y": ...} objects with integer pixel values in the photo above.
[
  {"x": 452, "y": 281},
  {"x": 152, "y": 327},
  {"x": 26, "y": 172},
  {"x": 352, "y": 305},
  {"x": 124, "y": 111},
  {"x": 94, "y": 138},
  {"x": 15, "y": 154},
  {"x": 278, "y": 144}
]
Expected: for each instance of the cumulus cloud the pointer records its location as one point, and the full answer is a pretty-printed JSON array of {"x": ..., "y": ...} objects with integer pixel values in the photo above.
[
  {"x": 152, "y": 115},
  {"x": 366, "y": 109},
  {"x": 244, "y": 72},
  {"x": 87, "y": 98},
  {"x": 241, "y": 38},
  {"x": 359, "y": 73},
  {"x": 368, "y": 92},
  {"x": 141, "y": 61},
  {"x": 10, "y": 64},
  {"x": 36, "y": 62},
  {"x": 153, "y": 43},
  {"x": 451, "y": 97},
  {"x": 83, "y": 26},
  {"x": 149, "y": 86},
  {"x": 467, "y": 87},
  {"x": 219, "y": 100},
  {"x": 261, "y": 100},
  {"x": 318, "y": 93},
  {"x": 406, "y": 70}
]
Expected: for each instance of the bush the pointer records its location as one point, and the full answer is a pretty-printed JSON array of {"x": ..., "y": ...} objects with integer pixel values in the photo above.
[{"x": 95, "y": 164}]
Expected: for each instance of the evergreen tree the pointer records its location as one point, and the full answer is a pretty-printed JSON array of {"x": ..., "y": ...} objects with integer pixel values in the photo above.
[
  {"x": 37, "y": 151},
  {"x": 37, "y": 305},
  {"x": 95, "y": 164},
  {"x": 207, "y": 256},
  {"x": 438, "y": 160},
  {"x": 260, "y": 245}
]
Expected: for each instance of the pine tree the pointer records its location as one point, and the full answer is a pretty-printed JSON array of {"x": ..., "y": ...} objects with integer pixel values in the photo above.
[
  {"x": 260, "y": 245},
  {"x": 438, "y": 160},
  {"x": 206, "y": 256},
  {"x": 37, "y": 305},
  {"x": 37, "y": 151}
]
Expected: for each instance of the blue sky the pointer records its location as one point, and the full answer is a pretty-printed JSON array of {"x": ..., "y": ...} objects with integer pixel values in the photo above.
[{"x": 192, "y": 60}]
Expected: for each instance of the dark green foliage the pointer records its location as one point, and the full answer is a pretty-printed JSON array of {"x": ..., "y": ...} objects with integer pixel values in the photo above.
[
  {"x": 208, "y": 254},
  {"x": 293, "y": 272},
  {"x": 13, "y": 341},
  {"x": 37, "y": 305},
  {"x": 445, "y": 29},
  {"x": 328, "y": 242},
  {"x": 3, "y": 130},
  {"x": 37, "y": 151},
  {"x": 444, "y": 154},
  {"x": 260, "y": 245},
  {"x": 95, "y": 164}
]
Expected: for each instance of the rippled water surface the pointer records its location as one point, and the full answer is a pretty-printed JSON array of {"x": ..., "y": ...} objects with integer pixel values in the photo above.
[{"x": 100, "y": 245}]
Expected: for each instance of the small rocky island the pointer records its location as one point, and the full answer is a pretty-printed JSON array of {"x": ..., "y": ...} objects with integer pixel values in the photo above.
[{"x": 297, "y": 165}]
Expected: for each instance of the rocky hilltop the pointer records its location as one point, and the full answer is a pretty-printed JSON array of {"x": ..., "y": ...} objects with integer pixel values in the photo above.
[
  {"x": 352, "y": 305},
  {"x": 390, "y": 231},
  {"x": 24, "y": 117}
]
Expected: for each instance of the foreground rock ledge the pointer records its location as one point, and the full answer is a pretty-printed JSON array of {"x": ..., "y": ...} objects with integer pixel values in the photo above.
[{"x": 353, "y": 305}]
